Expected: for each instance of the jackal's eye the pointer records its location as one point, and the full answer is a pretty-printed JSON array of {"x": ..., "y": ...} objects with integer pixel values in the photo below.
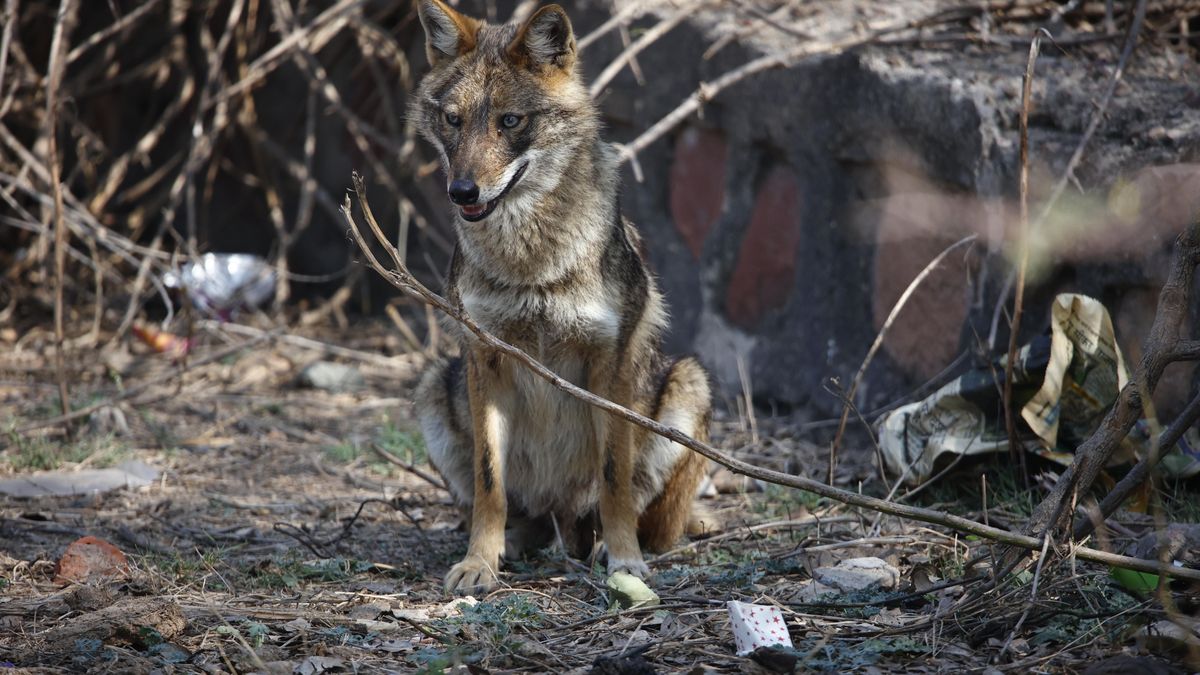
[
  {"x": 453, "y": 119},
  {"x": 509, "y": 120}
]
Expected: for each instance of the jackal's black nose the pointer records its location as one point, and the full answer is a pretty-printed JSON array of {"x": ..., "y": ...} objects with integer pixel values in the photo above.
[{"x": 463, "y": 191}]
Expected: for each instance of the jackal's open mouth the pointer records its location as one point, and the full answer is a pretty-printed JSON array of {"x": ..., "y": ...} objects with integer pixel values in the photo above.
[{"x": 476, "y": 212}]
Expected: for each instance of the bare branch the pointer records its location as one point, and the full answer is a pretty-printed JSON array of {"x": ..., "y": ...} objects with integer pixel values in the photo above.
[
  {"x": 10, "y": 20},
  {"x": 628, "y": 13},
  {"x": 709, "y": 90},
  {"x": 1014, "y": 329},
  {"x": 63, "y": 23},
  {"x": 1141, "y": 471},
  {"x": 649, "y": 37},
  {"x": 124, "y": 23},
  {"x": 317, "y": 34}
]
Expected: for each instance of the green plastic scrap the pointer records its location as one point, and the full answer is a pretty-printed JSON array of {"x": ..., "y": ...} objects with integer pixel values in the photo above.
[
  {"x": 1133, "y": 580},
  {"x": 629, "y": 591}
]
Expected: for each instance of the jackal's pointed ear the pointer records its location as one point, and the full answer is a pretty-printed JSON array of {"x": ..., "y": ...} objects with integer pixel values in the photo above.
[
  {"x": 447, "y": 33},
  {"x": 545, "y": 39}
]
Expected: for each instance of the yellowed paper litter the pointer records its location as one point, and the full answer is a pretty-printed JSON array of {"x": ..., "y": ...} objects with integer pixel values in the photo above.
[{"x": 1067, "y": 383}]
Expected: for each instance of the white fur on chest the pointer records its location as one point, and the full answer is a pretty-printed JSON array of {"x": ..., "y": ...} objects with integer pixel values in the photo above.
[{"x": 593, "y": 320}]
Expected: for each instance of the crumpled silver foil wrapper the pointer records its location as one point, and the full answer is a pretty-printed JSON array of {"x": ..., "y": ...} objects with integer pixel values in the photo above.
[{"x": 222, "y": 284}]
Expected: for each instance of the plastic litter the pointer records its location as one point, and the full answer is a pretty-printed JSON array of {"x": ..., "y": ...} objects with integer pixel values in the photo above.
[
  {"x": 222, "y": 284},
  {"x": 128, "y": 475},
  {"x": 630, "y": 591}
]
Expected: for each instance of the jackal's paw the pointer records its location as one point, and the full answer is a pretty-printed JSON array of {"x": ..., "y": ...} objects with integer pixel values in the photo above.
[
  {"x": 635, "y": 566},
  {"x": 473, "y": 574}
]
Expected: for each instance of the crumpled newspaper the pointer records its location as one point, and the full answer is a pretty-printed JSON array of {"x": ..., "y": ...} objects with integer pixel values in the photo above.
[
  {"x": 1064, "y": 384},
  {"x": 1083, "y": 378},
  {"x": 222, "y": 284}
]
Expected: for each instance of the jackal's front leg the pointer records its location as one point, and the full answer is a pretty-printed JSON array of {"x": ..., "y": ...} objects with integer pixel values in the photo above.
[
  {"x": 490, "y": 419},
  {"x": 618, "y": 508}
]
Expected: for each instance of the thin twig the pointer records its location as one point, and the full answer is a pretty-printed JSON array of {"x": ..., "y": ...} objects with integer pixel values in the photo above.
[
  {"x": 772, "y": 19},
  {"x": 628, "y": 13},
  {"x": 708, "y": 90},
  {"x": 411, "y": 468},
  {"x": 400, "y": 361},
  {"x": 1037, "y": 576},
  {"x": 10, "y": 20},
  {"x": 744, "y": 530},
  {"x": 1135, "y": 28},
  {"x": 306, "y": 61},
  {"x": 323, "y": 548},
  {"x": 405, "y": 330},
  {"x": 63, "y": 23},
  {"x": 316, "y": 34},
  {"x": 732, "y": 36},
  {"x": 1016, "y": 451},
  {"x": 645, "y": 40},
  {"x": 124, "y": 23},
  {"x": 891, "y": 318},
  {"x": 635, "y": 66}
]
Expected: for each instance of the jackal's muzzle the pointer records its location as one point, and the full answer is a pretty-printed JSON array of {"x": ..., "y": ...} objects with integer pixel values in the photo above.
[{"x": 466, "y": 194}]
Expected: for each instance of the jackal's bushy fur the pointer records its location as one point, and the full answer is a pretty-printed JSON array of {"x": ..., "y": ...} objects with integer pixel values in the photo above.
[{"x": 546, "y": 262}]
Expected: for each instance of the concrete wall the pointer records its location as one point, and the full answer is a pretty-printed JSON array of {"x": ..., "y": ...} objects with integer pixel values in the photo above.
[{"x": 787, "y": 220}]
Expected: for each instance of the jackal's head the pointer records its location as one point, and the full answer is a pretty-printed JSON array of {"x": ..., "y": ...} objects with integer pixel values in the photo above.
[{"x": 503, "y": 105}]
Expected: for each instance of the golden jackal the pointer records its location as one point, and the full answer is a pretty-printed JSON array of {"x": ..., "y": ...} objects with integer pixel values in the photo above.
[{"x": 546, "y": 262}]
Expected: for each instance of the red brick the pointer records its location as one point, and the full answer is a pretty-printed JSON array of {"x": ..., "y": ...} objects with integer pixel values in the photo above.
[
  {"x": 766, "y": 265},
  {"x": 697, "y": 185},
  {"x": 89, "y": 559},
  {"x": 912, "y": 229}
]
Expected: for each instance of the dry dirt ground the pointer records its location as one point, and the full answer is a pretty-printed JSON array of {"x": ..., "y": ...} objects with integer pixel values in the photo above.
[{"x": 278, "y": 538}]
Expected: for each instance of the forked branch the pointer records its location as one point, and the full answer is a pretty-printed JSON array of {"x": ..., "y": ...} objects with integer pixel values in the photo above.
[{"x": 400, "y": 277}]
